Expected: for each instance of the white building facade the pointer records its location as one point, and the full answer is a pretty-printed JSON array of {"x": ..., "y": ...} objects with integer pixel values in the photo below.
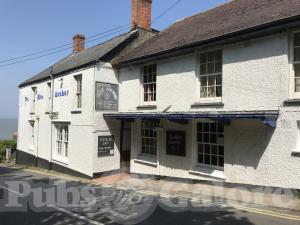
[
  {"x": 61, "y": 124},
  {"x": 222, "y": 109},
  {"x": 202, "y": 100}
]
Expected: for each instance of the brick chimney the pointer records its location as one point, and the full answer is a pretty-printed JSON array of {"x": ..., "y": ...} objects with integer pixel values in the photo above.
[
  {"x": 78, "y": 43},
  {"x": 141, "y": 14}
]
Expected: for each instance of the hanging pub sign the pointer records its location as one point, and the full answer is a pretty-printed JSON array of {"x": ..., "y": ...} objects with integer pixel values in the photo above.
[
  {"x": 105, "y": 145},
  {"x": 175, "y": 141},
  {"x": 107, "y": 97}
]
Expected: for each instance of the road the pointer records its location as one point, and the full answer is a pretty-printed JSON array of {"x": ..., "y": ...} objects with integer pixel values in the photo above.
[{"x": 33, "y": 198}]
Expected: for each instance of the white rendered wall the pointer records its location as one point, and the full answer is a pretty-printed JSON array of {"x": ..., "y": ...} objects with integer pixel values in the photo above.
[
  {"x": 106, "y": 74},
  {"x": 256, "y": 76}
]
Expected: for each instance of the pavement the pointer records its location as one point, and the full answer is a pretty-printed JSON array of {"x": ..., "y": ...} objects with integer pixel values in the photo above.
[
  {"x": 262, "y": 196},
  {"x": 52, "y": 198}
]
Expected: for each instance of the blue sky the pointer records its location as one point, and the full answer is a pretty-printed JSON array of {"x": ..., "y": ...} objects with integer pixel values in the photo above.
[{"x": 34, "y": 25}]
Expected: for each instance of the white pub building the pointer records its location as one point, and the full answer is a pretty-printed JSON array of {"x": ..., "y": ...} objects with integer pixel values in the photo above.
[{"x": 215, "y": 96}]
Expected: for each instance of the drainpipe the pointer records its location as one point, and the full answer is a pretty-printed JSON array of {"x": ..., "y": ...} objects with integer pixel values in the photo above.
[
  {"x": 51, "y": 118},
  {"x": 37, "y": 142}
]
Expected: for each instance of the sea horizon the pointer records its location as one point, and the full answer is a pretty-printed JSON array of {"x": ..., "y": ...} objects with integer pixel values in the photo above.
[{"x": 8, "y": 126}]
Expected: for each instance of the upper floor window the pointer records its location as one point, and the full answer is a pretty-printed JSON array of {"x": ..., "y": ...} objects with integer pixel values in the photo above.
[
  {"x": 296, "y": 61},
  {"x": 149, "y": 83},
  {"x": 34, "y": 98},
  {"x": 78, "y": 98},
  {"x": 149, "y": 137},
  {"x": 211, "y": 74},
  {"x": 49, "y": 96}
]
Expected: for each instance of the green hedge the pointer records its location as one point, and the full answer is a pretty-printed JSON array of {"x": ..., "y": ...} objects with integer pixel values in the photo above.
[{"x": 4, "y": 144}]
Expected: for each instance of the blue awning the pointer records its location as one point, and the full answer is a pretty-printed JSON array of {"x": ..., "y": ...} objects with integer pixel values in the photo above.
[{"x": 268, "y": 117}]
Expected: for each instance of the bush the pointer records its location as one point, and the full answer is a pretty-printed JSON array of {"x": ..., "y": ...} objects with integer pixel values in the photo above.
[{"x": 4, "y": 145}]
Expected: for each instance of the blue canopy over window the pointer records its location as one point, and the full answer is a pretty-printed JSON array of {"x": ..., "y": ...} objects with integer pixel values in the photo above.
[{"x": 267, "y": 117}]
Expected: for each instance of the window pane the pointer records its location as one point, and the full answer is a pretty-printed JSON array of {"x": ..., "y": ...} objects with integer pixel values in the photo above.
[
  {"x": 214, "y": 160},
  {"x": 218, "y": 67},
  {"x": 213, "y": 138},
  {"x": 218, "y": 55},
  {"x": 207, "y": 159},
  {"x": 203, "y": 92},
  {"x": 211, "y": 80},
  {"x": 206, "y": 127},
  {"x": 203, "y": 58},
  {"x": 201, "y": 158},
  {"x": 206, "y": 138},
  {"x": 203, "y": 81},
  {"x": 221, "y": 150},
  {"x": 297, "y": 39},
  {"x": 210, "y": 68},
  {"x": 214, "y": 149},
  {"x": 203, "y": 69},
  {"x": 297, "y": 84},
  {"x": 210, "y": 56},
  {"x": 219, "y": 91},
  {"x": 221, "y": 161},
  {"x": 201, "y": 148},
  {"x": 297, "y": 70},
  {"x": 297, "y": 54},
  {"x": 211, "y": 92},
  {"x": 207, "y": 149}
]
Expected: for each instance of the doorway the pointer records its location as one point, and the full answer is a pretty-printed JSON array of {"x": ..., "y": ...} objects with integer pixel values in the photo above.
[{"x": 125, "y": 145}]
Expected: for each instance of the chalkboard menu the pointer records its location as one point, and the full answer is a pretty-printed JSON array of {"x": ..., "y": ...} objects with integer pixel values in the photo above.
[
  {"x": 105, "y": 145},
  {"x": 106, "y": 97},
  {"x": 175, "y": 141}
]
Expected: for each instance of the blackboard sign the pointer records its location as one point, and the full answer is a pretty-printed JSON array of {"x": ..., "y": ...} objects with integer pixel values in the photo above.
[
  {"x": 175, "y": 141},
  {"x": 105, "y": 145},
  {"x": 106, "y": 97}
]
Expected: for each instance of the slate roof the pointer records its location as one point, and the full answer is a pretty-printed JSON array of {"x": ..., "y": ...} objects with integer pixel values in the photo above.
[
  {"x": 77, "y": 60},
  {"x": 229, "y": 18}
]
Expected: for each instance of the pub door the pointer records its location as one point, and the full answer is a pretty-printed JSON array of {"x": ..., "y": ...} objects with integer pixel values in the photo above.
[{"x": 125, "y": 145}]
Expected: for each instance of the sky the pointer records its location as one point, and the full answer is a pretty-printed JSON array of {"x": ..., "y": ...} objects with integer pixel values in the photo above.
[{"x": 29, "y": 26}]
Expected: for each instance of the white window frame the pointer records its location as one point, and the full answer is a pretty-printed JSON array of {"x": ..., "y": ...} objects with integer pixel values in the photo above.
[
  {"x": 49, "y": 97},
  {"x": 33, "y": 99},
  {"x": 198, "y": 74},
  {"x": 61, "y": 152},
  {"x": 149, "y": 138},
  {"x": 297, "y": 150},
  {"x": 203, "y": 143},
  {"x": 32, "y": 135},
  {"x": 148, "y": 83},
  {"x": 78, "y": 91},
  {"x": 293, "y": 93}
]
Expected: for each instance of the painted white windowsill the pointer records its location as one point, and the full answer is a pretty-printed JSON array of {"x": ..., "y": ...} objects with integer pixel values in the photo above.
[
  {"x": 295, "y": 152},
  {"x": 207, "y": 171},
  {"x": 60, "y": 161},
  {"x": 210, "y": 100},
  {"x": 146, "y": 160}
]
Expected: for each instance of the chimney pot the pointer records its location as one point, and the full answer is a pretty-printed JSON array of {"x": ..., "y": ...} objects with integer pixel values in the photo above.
[
  {"x": 78, "y": 43},
  {"x": 141, "y": 14}
]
